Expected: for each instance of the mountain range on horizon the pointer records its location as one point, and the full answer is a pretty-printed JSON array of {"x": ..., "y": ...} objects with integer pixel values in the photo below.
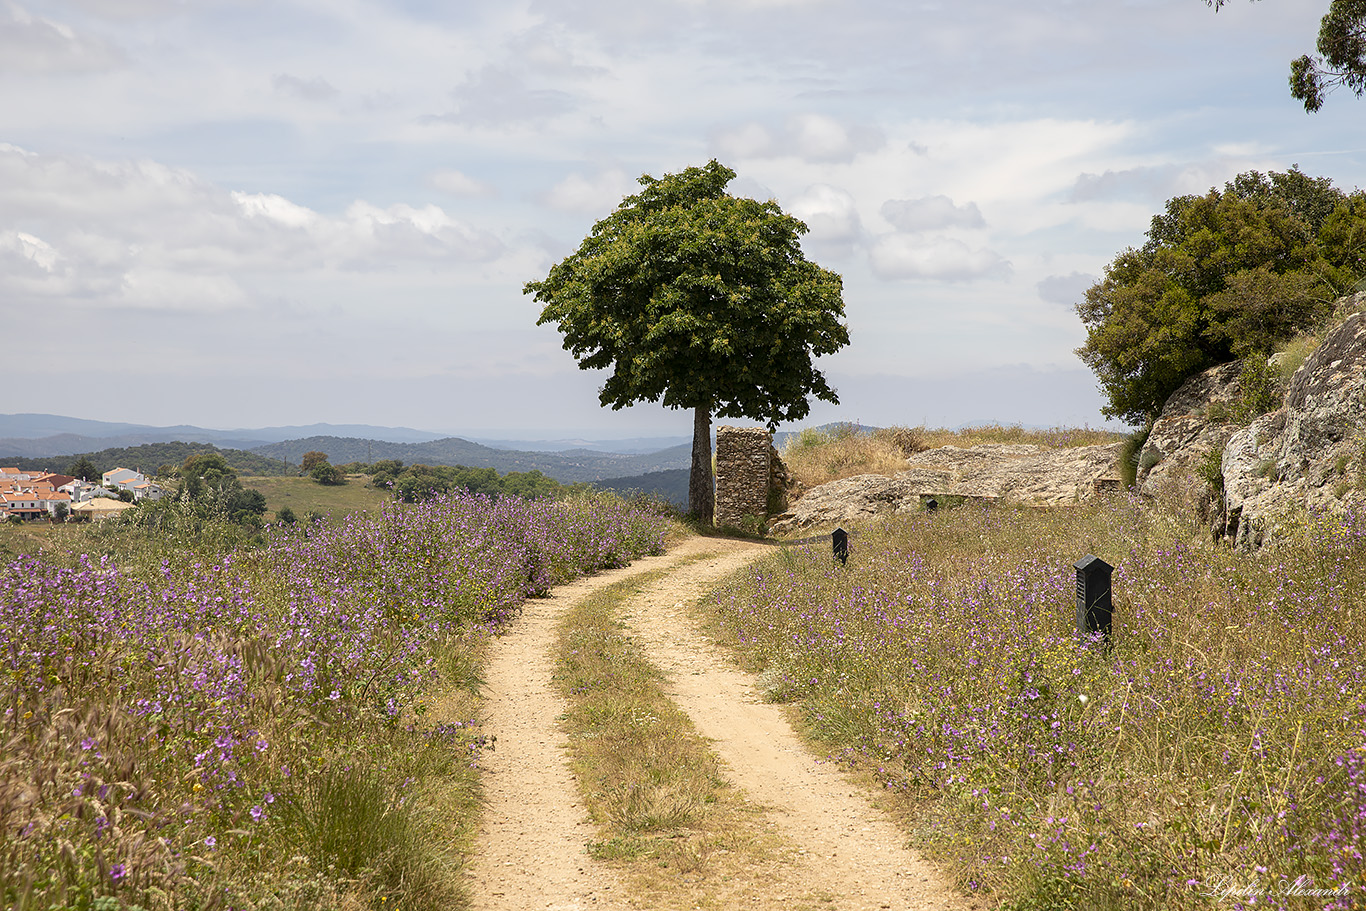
[{"x": 36, "y": 436}]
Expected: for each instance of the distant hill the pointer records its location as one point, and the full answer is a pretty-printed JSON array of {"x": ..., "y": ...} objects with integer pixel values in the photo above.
[
  {"x": 670, "y": 486},
  {"x": 151, "y": 456},
  {"x": 566, "y": 467},
  {"x": 629, "y": 445},
  {"x": 39, "y": 435}
]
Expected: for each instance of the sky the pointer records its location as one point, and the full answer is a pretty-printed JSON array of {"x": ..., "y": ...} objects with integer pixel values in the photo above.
[{"x": 233, "y": 213}]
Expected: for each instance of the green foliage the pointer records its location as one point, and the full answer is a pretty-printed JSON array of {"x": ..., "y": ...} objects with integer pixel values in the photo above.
[
  {"x": 209, "y": 491},
  {"x": 1129, "y": 454},
  {"x": 285, "y": 516},
  {"x": 311, "y": 460},
  {"x": 418, "y": 482},
  {"x": 1210, "y": 469},
  {"x": 699, "y": 300},
  {"x": 143, "y": 458},
  {"x": 84, "y": 469},
  {"x": 1259, "y": 383},
  {"x": 1342, "y": 56},
  {"x": 326, "y": 473},
  {"x": 1220, "y": 276}
]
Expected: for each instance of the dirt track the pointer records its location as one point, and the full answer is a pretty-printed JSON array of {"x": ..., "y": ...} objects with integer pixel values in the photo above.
[{"x": 844, "y": 853}]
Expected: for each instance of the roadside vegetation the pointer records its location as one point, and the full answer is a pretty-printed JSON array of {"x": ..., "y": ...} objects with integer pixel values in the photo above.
[
  {"x": 1219, "y": 742},
  {"x": 205, "y": 721}
]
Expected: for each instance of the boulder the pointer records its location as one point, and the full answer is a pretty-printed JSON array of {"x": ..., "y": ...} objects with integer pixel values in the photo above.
[
  {"x": 1193, "y": 424},
  {"x": 847, "y": 500},
  {"x": 1309, "y": 454},
  {"x": 1036, "y": 475}
]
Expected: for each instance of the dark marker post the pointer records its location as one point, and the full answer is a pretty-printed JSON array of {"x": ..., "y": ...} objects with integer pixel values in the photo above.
[
  {"x": 1093, "y": 597},
  {"x": 840, "y": 542}
]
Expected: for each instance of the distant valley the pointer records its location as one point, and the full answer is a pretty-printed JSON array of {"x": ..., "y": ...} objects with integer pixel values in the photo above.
[{"x": 52, "y": 442}]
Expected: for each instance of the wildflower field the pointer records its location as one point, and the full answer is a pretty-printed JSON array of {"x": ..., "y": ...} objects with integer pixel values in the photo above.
[
  {"x": 287, "y": 725},
  {"x": 1213, "y": 756}
]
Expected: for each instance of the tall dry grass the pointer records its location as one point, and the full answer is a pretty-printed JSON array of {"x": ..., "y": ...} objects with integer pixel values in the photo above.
[
  {"x": 288, "y": 726},
  {"x": 1213, "y": 756},
  {"x": 818, "y": 456}
]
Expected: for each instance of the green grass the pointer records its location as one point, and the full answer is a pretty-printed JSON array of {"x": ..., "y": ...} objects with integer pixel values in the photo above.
[
  {"x": 665, "y": 814},
  {"x": 305, "y": 495},
  {"x": 1219, "y": 738}
]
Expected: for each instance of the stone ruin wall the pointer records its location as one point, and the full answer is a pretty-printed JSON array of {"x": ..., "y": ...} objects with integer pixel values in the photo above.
[{"x": 743, "y": 466}]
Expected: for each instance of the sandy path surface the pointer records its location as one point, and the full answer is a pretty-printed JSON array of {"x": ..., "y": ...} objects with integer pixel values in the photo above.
[{"x": 531, "y": 853}]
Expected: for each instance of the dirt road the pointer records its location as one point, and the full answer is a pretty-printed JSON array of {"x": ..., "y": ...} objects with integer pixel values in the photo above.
[{"x": 843, "y": 851}]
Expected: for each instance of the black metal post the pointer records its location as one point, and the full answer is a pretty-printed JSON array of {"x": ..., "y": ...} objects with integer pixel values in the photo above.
[
  {"x": 840, "y": 542},
  {"x": 1093, "y": 597}
]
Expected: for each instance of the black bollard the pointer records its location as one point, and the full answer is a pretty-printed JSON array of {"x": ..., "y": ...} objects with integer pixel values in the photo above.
[
  {"x": 1093, "y": 597},
  {"x": 840, "y": 542}
]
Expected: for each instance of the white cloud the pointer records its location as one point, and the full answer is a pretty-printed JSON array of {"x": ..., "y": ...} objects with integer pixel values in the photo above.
[
  {"x": 33, "y": 44},
  {"x": 931, "y": 213},
  {"x": 140, "y": 234},
  {"x": 498, "y": 96},
  {"x": 832, "y": 216},
  {"x": 131, "y": 9},
  {"x": 315, "y": 88},
  {"x": 596, "y": 195},
  {"x": 901, "y": 256},
  {"x": 27, "y": 250},
  {"x": 457, "y": 183},
  {"x": 162, "y": 289},
  {"x": 386, "y": 238},
  {"x": 1065, "y": 290},
  {"x": 809, "y": 137}
]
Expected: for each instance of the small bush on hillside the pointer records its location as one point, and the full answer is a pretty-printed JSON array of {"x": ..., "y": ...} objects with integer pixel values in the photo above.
[{"x": 909, "y": 440}]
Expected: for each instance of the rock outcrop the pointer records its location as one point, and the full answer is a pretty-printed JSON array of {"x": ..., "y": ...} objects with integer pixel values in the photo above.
[
  {"x": 1193, "y": 424},
  {"x": 1312, "y": 452},
  {"x": 1036, "y": 475}
]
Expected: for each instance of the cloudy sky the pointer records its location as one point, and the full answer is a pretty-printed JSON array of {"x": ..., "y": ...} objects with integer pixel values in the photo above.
[{"x": 235, "y": 213}]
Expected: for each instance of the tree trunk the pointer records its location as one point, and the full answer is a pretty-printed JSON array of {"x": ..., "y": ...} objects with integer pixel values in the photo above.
[{"x": 701, "y": 490}]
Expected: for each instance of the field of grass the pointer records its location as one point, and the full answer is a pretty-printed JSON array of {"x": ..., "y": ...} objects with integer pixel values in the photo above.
[
  {"x": 305, "y": 495},
  {"x": 1218, "y": 744},
  {"x": 282, "y": 726}
]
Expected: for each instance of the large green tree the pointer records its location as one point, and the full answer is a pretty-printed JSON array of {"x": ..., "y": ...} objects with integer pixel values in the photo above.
[
  {"x": 1220, "y": 277},
  {"x": 1341, "y": 59},
  {"x": 699, "y": 300}
]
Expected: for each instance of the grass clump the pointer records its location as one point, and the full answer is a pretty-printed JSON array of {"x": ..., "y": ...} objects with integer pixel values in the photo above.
[
  {"x": 1220, "y": 740},
  {"x": 664, "y": 811}
]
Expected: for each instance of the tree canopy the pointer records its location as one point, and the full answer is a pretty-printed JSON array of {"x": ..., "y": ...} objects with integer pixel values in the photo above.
[
  {"x": 698, "y": 299},
  {"x": 1341, "y": 59},
  {"x": 1220, "y": 277}
]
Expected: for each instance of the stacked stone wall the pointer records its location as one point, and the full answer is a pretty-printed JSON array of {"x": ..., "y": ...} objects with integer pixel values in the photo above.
[{"x": 743, "y": 467}]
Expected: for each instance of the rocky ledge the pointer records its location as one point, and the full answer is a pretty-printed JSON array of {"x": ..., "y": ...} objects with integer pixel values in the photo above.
[
  {"x": 1311, "y": 453},
  {"x": 1034, "y": 475}
]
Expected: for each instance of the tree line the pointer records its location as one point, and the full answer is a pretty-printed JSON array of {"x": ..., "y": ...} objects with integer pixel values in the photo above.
[
  {"x": 152, "y": 459},
  {"x": 1232, "y": 274}
]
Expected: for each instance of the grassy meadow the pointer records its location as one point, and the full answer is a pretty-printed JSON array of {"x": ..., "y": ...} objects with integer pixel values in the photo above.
[
  {"x": 303, "y": 495},
  {"x": 214, "y": 723},
  {"x": 1213, "y": 756},
  {"x": 214, "y": 717}
]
